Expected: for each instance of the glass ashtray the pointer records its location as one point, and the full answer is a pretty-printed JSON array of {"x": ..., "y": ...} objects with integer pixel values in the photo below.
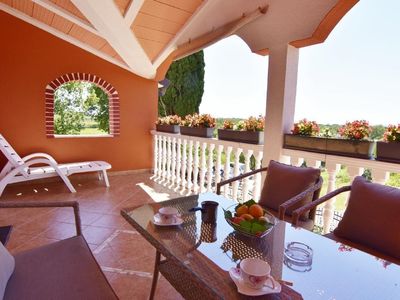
[{"x": 298, "y": 256}]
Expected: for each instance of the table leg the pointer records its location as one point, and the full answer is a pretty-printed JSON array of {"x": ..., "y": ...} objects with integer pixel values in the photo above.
[{"x": 155, "y": 275}]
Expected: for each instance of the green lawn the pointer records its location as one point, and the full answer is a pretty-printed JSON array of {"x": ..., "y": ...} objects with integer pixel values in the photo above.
[{"x": 92, "y": 131}]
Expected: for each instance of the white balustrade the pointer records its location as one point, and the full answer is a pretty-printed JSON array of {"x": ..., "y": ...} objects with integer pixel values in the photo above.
[{"x": 194, "y": 165}]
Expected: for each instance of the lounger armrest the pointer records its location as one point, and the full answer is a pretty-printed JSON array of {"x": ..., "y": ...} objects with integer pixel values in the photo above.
[
  {"x": 38, "y": 155},
  {"x": 292, "y": 201},
  {"x": 296, "y": 214},
  {"x": 27, "y": 204},
  {"x": 220, "y": 184}
]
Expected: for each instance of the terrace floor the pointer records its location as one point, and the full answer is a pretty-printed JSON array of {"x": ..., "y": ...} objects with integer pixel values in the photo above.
[{"x": 125, "y": 257}]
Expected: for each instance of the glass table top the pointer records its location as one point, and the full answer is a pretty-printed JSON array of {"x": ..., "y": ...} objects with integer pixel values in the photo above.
[{"x": 337, "y": 271}]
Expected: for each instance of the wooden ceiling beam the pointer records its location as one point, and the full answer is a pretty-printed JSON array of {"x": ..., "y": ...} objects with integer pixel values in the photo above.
[
  {"x": 192, "y": 46},
  {"x": 66, "y": 15},
  {"x": 132, "y": 11},
  {"x": 107, "y": 19}
]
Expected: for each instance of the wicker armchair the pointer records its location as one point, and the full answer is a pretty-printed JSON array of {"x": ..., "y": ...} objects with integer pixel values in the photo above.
[
  {"x": 296, "y": 199},
  {"x": 370, "y": 222},
  {"x": 62, "y": 270}
]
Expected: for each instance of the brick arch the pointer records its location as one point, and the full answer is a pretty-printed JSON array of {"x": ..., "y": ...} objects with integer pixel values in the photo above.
[{"x": 113, "y": 100}]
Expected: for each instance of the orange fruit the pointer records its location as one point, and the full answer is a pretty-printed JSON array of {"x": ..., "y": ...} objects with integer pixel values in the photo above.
[
  {"x": 256, "y": 211},
  {"x": 247, "y": 217},
  {"x": 241, "y": 210}
]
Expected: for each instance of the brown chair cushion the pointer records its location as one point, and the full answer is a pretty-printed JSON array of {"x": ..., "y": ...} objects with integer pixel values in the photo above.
[
  {"x": 363, "y": 248},
  {"x": 372, "y": 217},
  {"x": 62, "y": 270},
  {"x": 284, "y": 182}
]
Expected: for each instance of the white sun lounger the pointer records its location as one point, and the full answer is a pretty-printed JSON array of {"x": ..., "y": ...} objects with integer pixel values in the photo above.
[{"x": 20, "y": 169}]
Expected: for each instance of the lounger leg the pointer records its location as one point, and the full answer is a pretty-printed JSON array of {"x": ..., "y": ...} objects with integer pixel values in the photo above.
[
  {"x": 105, "y": 177},
  {"x": 155, "y": 275},
  {"x": 67, "y": 182}
]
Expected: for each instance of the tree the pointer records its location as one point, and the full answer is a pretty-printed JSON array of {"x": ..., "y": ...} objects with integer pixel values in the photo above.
[
  {"x": 76, "y": 103},
  {"x": 186, "y": 88},
  {"x": 68, "y": 112}
]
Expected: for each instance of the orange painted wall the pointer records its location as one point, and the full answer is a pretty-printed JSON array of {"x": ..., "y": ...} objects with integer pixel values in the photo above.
[{"x": 30, "y": 59}]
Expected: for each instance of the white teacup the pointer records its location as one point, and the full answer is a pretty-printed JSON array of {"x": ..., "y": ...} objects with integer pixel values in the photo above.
[
  {"x": 168, "y": 215},
  {"x": 255, "y": 273}
]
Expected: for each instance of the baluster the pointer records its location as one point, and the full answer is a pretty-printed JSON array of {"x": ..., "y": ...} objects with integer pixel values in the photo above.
[
  {"x": 210, "y": 166},
  {"x": 380, "y": 176},
  {"x": 227, "y": 169},
  {"x": 190, "y": 167},
  {"x": 184, "y": 156},
  {"x": 245, "y": 187},
  {"x": 169, "y": 159},
  {"x": 353, "y": 173},
  {"x": 164, "y": 163},
  {"x": 236, "y": 173},
  {"x": 178, "y": 162},
  {"x": 220, "y": 148},
  {"x": 173, "y": 165},
  {"x": 155, "y": 153},
  {"x": 296, "y": 161},
  {"x": 159, "y": 146},
  {"x": 202, "y": 166},
  {"x": 257, "y": 177},
  {"x": 328, "y": 212},
  {"x": 196, "y": 167}
]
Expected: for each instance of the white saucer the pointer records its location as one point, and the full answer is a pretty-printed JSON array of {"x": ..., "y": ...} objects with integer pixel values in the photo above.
[
  {"x": 157, "y": 221},
  {"x": 245, "y": 290}
]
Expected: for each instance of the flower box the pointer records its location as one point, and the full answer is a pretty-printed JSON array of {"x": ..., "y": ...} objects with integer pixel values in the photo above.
[
  {"x": 206, "y": 132},
  {"x": 389, "y": 152},
  {"x": 249, "y": 137},
  {"x": 305, "y": 143},
  {"x": 352, "y": 148},
  {"x": 168, "y": 128},
  {"x": 342, "y": 147}
]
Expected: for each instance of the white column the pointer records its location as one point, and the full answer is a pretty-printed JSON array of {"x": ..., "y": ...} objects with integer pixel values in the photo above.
[
  {"x": 246, "y": 187},
  {"x": 257, "y": 177},
  {"x": 353, "y": 171},
  {"x": 159, "y": 149},
  {"x": 380, "y": 176},
  {"x": 236, "y": 172},
  {"x": 173, "y": 163},
  {"x": 227, "y": 169},
  {"x": 281, "y": 98},
  {"x": 196, "y": 167},
  {"x": 329, "y": 207},
  {"x": 210, "y": 166},
  {"x": 190, "y": 167},
  {"x": 155, "y": 154},
  {"x": 164, "y": 158},
  {"x": 184, "y": 161},
  {"x": 178, "y": 162},
  {"x": 220, "y": 148},
  {"x": 169, "y": 159},
  {"x": 202, "y": 166}
]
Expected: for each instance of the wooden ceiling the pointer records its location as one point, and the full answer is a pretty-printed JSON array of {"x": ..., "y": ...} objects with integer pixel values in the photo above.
[
  {"x": 154, "y": 25},
  {"x": 144, "y": 36}
]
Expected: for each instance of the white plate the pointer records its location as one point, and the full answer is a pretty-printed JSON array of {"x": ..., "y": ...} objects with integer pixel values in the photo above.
[
  {"x": 157, "y": 221},
  {"x": 245, "y": 290}
]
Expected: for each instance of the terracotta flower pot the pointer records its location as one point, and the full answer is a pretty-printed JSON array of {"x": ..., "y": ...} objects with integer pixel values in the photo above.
[
  {"x": 197, "y": 131},
  {"x": 168, "y": 128},
  {"x": 352, "y": 148},
  {"x": 250, "y": 137},
  {"x": 305, "y": 143},
  {"x": 389, "y": 152},
  {"x": 342, "y": 147}
]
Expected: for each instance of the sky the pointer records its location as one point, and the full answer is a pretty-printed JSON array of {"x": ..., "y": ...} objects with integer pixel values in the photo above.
[{"x": 354, "y": 74}]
